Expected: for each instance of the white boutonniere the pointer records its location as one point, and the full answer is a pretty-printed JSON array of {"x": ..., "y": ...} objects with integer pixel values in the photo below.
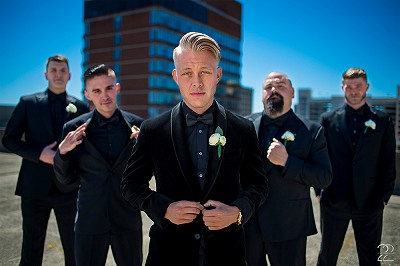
[
  {"x": 217, "y": 139},
  {"x": 287, "y": 136},
  {"x": 370, "y": 124},
  {"x": 71, "y": 108},
  {"x": 135, "y": 132}
]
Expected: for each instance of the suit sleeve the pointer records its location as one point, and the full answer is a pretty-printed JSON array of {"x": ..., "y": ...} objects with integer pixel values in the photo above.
[
  {"x": 253, "y": 179},
  {"x": 314, "y": 171},
  {"x": 64, "y": 164},
  {"x": 14, "y": 132},
  {"x": 388, "y": 161},
  {"x": 135, "y": 184}
]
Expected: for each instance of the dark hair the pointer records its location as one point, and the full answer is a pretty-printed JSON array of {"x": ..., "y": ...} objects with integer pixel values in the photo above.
[
  {"x": 57, "y": 58},
  {"x": 353, "y": 73},
  {"x": 98, "y": 70}
]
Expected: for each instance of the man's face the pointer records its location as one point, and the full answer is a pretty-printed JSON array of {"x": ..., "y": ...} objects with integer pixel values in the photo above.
[
  {"x": 277, "y": 94},
  {"x": 58, "y": 75},
  {"x": 103, "y": 91},
  {"x": 197, "y": 75},
  {"x": 355, "y": 91}
]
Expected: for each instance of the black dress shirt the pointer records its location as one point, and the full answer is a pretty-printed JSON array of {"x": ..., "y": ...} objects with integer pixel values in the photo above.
[
  {"x": 57, "y": 104},
  {"x": 109, "y": 136},
  {"x": 197, "y": 141},
  {"x": 355, "y": 120}
]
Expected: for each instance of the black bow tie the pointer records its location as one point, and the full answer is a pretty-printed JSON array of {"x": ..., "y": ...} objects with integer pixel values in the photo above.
[
  {"x": 276, "y": 122},
  {"x": 112, "y": 121},
  {"x": 59, "y": 97},
  {"x": 351, "y": 111},
  {"x": 206, "y": 119}
]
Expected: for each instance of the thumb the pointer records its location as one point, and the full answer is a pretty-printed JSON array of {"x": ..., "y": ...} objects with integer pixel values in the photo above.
[
  {"x": 275, "y": 140},
  {"x": 210, "y": 203},
  {"x": 52, "y": 145}
]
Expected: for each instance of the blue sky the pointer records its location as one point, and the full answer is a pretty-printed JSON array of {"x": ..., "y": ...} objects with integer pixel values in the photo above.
[{"x": 311, "y": 41}]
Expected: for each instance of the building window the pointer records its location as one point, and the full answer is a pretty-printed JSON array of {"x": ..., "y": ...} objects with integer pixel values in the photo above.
[
  {"x": 87, "y": 28},
  {"x": 117, "y": 39},
  {"x": 117, "y": 22},
  {"x": 87, "y": 44},
  {"x": 117, "y": 69},
  {"x": 117, "y": 54}
]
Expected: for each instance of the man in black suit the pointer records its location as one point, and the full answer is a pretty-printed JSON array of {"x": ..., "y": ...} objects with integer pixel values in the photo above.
[
  {"x": 33, "y": 132},
  {"x": 361, "y": 146},
  {"x": 94, "y": 151},
  {"x": 296, "y": 158},
  {"x": 206, "y": 164}
]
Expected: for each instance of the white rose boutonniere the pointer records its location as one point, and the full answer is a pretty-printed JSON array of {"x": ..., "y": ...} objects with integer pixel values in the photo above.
[
  {"x": 287, "y": 136},
  {"x": 370, "y": 124},
  {"x": 71, "y": 108},
  {"x": 217, "y": 139}
]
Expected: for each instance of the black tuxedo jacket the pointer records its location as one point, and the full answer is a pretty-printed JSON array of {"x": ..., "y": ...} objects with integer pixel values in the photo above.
[
  {"x": 101, "y": 206},
  {"x": 236, "y": 178},
  {"x": 287, "y": 213},
  {"x": 371, "y": 166},
  {"x": 28, "y": 131}
]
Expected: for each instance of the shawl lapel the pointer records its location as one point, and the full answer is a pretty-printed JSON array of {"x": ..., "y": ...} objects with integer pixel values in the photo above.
[
  {"x": 369, "y": 115},
  {"x": 214, "y": 163},
  {"x": 128, "y": 146},
  {"x": 44, "y": 109},
  {"x": 181, "y": 150}
]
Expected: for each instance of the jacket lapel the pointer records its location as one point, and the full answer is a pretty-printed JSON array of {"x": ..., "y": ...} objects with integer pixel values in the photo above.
[
  {"x": 214, "y": 162},
  {"x": 369, "y": 115},
  {"x": 123, "y": 154},
  {"x": 181, "y": 151},
  {"x": 44, "y": 107}
]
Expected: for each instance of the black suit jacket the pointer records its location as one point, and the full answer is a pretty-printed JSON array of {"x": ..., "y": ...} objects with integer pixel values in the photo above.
[
  {"x": 28, "y": 131},
  {"x": 287, "y": 213},
  {"x": 236, "y": 178},
  {"x": 101, "y": 206},
  {"x": 371, "y": 166}
]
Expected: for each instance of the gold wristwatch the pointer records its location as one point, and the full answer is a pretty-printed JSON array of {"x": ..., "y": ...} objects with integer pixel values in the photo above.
[{"x": 239, "y": 218}]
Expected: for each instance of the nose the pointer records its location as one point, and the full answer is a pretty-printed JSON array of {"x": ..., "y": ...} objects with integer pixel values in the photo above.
[{"x": 197, "y": 81}]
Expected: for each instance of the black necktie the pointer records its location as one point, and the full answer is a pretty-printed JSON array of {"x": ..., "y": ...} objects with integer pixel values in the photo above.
[{"x": 191, "y": 120}]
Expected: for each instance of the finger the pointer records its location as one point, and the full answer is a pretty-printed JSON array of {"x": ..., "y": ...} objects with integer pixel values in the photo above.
[{"x": 52, "y": 144}]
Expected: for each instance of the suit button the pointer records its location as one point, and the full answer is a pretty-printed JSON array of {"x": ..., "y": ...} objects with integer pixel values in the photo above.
[{"x": 197, "y": 236}]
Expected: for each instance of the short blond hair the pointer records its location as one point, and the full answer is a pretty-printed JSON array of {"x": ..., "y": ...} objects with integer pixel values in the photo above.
[{"x": 196, "y": 41}]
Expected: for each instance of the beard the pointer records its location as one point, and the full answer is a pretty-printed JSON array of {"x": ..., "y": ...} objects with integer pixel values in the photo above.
[
  {"x": 274, "y": 105},
  {"x": 357, "y": 100}
]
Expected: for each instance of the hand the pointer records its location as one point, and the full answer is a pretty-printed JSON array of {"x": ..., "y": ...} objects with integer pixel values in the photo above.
[
  {"x": 220, "y": 215},
  {"x": 135, "y": 132},
  {"x": 183, "y": 212},
  {"x": 73, "y": 139},
  {"x": 277, "y": 153},
  {"x": 47, "y": 154}
]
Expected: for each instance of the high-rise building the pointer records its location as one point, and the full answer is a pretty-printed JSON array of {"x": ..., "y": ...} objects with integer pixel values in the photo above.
[
  {"x": 137, "y": 38},
  {"x": 312, "y": 108}
]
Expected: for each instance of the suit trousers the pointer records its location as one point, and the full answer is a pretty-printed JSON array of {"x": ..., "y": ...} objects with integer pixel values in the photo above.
[
  {"x": 367, "y": 231},
  {"x": 35, "y": 217},
  {"x": 93, "y": 249}
]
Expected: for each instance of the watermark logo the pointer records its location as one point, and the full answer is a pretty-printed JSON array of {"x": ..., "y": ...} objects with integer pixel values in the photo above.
[{"x": 386, "y": 251}]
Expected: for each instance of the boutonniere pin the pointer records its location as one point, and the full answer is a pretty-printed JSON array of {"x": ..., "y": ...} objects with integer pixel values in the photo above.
[
  {"x": 287, "y": 136},
  {"x": 135, "y": 132},
  {"x": 71, "y": 108},
  {"x": 217, "y": 139},
  {"x": 370, "y": 124}
]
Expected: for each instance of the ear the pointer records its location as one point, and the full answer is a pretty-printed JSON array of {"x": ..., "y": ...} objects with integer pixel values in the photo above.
[
  {"x": 117, "y": 87},
  {"x": 45, "y": 75},
  {"x": 292, "y": 92},
  {"x": 219, "y": 73},
  {"x": 175, "y": 75},
  {"x": 87, "y": 95}
]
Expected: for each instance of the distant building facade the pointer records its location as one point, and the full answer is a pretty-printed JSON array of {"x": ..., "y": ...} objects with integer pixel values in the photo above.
[
  {"x": 312, "y": 108},
  {"x": 137, "y": 38}
]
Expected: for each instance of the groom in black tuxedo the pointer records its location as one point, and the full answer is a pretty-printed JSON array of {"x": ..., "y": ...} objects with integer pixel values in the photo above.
[
  {"x": 94, "y": 151},
  {"x": 361, "y": 146},
  {"x": 207, "y": 167},
  {"x": 39, "y": 118},
  {"x": 296, "y": 158}
]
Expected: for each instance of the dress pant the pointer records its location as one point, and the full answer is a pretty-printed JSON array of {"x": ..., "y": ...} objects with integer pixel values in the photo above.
[
  {"x": 35, "y": 217},
  {"x": 93, "y": 249},
  {"x": 291, "y": 252},
  {"x": 367, "y": 231}
]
